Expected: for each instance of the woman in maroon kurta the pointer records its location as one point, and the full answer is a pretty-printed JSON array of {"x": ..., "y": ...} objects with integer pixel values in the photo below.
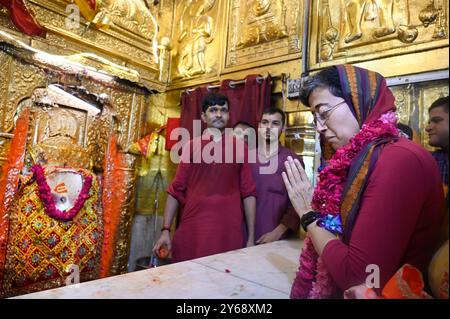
[{"x": 380, "y": 193}]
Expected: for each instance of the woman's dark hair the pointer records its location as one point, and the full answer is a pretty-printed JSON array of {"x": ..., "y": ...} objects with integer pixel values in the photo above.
[
  {"x": 405, "y": 129},
  {"x": 211, "y": 99},
  {"x": 327, "y": 78}
]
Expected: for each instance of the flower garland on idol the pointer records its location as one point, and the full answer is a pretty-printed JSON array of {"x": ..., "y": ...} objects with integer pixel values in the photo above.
[
  {"x": 46, "y": 197},
  {"x": 315, "y": 281}
]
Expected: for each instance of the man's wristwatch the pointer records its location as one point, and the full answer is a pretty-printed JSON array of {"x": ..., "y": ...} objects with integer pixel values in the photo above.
[{"x": 308, "y": 218}]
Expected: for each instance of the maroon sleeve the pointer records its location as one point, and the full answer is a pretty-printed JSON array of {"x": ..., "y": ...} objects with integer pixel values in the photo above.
[
  {"x": 246, "y": 183},
  {"x": 389, "y": 213},
  {"x": 177, "y": 187}
]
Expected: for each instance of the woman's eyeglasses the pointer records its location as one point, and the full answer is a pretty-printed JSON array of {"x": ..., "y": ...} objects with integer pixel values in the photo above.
[{"x": 323, "y": 117}]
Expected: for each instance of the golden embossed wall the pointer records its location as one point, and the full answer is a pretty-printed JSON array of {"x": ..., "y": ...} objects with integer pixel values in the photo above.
[
  {"x": 263, "y": 32},
  {"x": 127, "y": 32},
  {"x": 360, "y": 30},
  {"x": 197, "y": 34},
  {"x": 217, "y": 39}
]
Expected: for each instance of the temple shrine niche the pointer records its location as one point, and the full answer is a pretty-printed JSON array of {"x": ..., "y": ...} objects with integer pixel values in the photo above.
[{"x": 89, "y": 90}]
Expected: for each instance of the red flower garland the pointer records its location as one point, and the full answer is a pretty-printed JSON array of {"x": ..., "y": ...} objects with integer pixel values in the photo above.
[{"x": 45, "y": 195}]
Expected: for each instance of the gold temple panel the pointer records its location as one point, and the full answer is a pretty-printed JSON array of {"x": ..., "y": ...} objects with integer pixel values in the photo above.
[
  {"x": 262, "y": 31},
  {"x": 128, "y": 34},
  {"x": 349, "y": 31},
  {"x": 197, "y": 34}
]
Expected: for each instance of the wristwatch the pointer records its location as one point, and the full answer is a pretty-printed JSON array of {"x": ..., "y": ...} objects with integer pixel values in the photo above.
[
  {"x": 165, "y": 228},
  {"x": 308, "y": 218}
]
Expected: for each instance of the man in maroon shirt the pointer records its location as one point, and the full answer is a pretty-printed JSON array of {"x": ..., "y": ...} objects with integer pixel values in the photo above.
[
  {"x": 275, "y": 216},
  {"x": 213, "y": 192},
  {"x": 437, "y": 130}
]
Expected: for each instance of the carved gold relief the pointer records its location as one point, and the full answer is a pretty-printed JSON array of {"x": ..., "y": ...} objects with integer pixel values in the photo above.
[
  {"x": 195, "y": 33},
  {"x": 265, "y": 21},
  {"x": 123, "y": 43},
  {"x": 23, "y": 81},
  {"x": 403, "y": 103},
  {"x": 263, "y": 29},
  {"x": 330, "y": 34},
  {"x": 352, "y": 28},
  {"x": 98, "y": 133},
  {"x": 105, "y": 65},
  {"x": 133, "y": 15}
]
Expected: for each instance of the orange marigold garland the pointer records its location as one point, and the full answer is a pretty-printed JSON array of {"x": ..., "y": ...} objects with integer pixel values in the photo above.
[
  {"x": 9, "y": 181},
  {"x": 113, "y": 198}
]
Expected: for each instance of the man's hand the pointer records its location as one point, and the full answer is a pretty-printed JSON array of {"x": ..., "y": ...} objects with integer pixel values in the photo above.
[
  {"x": 268, "y": 238},
  {"x": 250, "y": 242},
  {"x": 163, "y": 241},
  {"x": 298, "y": 186},
  {"x": 274, "y": 235}
]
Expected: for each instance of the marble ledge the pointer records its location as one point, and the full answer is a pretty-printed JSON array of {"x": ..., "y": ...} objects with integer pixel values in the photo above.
[{"x": 260, "y": 272}]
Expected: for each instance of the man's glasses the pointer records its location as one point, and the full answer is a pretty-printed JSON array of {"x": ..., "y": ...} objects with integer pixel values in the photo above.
[{"x": 322, "y": 118}]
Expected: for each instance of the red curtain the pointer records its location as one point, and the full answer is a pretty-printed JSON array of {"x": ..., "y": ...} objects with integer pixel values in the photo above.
[
  {"x": 247, "y": 101},
  {"x": 191, "y": 108},
  {"x": 22, "y": 18},
  {"x": 172, "y": 123}
]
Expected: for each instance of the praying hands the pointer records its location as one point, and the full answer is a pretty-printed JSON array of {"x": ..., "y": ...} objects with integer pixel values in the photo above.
[{"x": 298, "y": 186}]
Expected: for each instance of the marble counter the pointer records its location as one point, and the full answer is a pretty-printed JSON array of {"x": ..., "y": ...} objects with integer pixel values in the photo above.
[{"x": 261, "y": 272}]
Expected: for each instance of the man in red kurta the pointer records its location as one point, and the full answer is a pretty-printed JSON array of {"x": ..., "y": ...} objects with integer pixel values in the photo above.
[{"x": 214, "y": 186}]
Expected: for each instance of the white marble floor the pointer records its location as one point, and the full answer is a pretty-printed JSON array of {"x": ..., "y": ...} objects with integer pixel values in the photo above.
[{"x": 261, "y": 272}]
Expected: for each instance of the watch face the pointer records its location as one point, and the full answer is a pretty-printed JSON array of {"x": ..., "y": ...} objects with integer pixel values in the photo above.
[{"x": 307, "y": 219}]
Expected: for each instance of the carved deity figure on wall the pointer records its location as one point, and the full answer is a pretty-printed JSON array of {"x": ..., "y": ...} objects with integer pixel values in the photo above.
[
  {"x": 369, "y": 10},
  {"x": 196, "y": 32},
  {"x": 263, "y": 21},
  {"x": 133, "y": 15}
]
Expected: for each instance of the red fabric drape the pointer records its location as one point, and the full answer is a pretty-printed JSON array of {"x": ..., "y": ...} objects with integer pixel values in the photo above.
[
  {"x": 9, "y": 182},
  {"x": 172, "y": 123},
  {"x": 191, "y": 108},
  {"x": 247, "y": 102},
  {"x": 22, "y": 18},
  {"x": 114, "y": 195}
]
